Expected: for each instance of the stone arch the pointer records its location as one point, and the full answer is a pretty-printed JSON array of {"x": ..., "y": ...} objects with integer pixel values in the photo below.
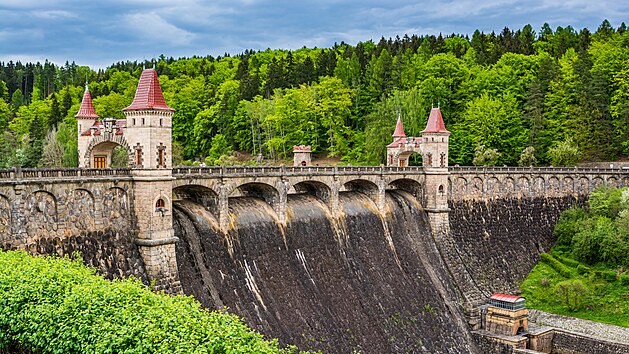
[
  {"x": 597, "y": 182},
  {"x": 362, "y": 186},
  {"x": 5, "y": 216},
  {"x": 408, "y": 154},
  {"x": 409, "y": 185},
  {"x": 110, "y": 141},
  {"x": 567, "y": 185},
  {"x": 494, "y": 187},
  {"x": 40, "y": 212},
  {"x": 613, "y": 182},
  {"x": 524, "y": 186},
  {"x": 259, "y": 190},
  {"x": 584, "y": 185},
  {"x": 115, "y": 204},
  {"x": 199, "y": 194},
  {"x": 459, "y": 189},
  {"x": 508, "y": 187},
  {"x": 80, "y": 209},
  {"x": 477, "y": 186},
  {"x": 315, "y": 188}
]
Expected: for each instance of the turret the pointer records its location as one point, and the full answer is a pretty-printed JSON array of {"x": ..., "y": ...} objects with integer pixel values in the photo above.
[
  {"x": 435, "y": 141},
  {"x": 149, "y": 124},
  {"x": 86, "y": 118}
]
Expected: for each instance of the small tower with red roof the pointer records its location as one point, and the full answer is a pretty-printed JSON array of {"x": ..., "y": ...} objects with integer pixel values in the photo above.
[
  {"x": 149, "y": 135},
  {"x": 435, "y": 141},
  {"x": 149, "y": 124},
  {"x": 86, "y": 118}
]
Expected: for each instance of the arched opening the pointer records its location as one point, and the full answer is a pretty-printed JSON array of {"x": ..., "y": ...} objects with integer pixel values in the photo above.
[
  {"x": 199, "y": 194},
  {"x": 262, "y": 191},
  {"x": 119, "y": 157},
  {"x": 409, "y": 185},
  {"x": 361, "y": 186},
  {"x": 108, "y": 154},
  {"x": 318, "y": 189},
  {"x": 410, "y": 158}
]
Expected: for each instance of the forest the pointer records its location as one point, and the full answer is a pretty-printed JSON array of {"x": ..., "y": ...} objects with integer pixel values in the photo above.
[{"x": 517, "y": 97}]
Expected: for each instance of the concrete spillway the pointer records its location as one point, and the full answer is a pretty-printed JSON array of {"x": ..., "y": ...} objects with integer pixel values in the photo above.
[{"x": 357, "y": 283}]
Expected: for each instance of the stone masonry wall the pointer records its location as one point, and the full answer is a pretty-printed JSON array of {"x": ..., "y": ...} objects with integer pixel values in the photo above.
[{"x": 62, "y": 217}]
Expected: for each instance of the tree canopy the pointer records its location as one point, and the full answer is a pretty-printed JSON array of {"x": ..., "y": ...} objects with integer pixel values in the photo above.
[{"x": 505, "y": 91}]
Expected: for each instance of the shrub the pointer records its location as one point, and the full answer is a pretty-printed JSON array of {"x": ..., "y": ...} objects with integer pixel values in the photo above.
[
  {"x": 581, "y": 269},
  {"x": 52, "y": 305},
  {"x": 544, "y": 282},
  {"x": 609, "y": 275},
  {"x": 624, "y": 279},
  {"x": 568, "y": 225},
  {"x": 606, "y": 201},
  {"x": 572, "y": 293},
  {"x": 564, "y": 153},
  {"x": 556, "y": 265}
]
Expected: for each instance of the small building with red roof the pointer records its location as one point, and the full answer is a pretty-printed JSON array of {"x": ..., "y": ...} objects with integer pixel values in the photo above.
[
  {"x": 432, "y": 145},
  {"x": 507, "y": 314},
  {"x": 145, "y": 134}
]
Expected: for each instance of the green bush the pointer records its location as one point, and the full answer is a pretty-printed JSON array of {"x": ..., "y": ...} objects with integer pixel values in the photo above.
[
  {"x": 572, "y": 293},
  {"x": 582, "y": 269},
  {"x": 568, "y": 261},
  {"x": 624, "y": 279},
  {"x": 568, "y": 225},
  {"x": 52, "y": 305},
  {"x": 556, "y": 265},
  {"x": 609, "y": 275}
]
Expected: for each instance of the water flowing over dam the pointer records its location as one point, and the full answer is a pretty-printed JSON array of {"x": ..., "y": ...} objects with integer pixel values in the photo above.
[{"x": 359, "y": 282}]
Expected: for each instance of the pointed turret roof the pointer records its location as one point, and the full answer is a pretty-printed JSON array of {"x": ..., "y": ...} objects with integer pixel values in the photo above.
[
  {"x": 399, "y": 129},
  {"x": 87, "y": 107},
  {"x": 149, "y": 93},
  {"x": 435, "y": 122}
]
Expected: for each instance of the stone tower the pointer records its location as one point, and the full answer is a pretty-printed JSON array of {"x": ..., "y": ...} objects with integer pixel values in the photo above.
[
  {"x": 434, "y": 148},
  {"x": 86, "y": 118},
  {"x": 149, "y": 135},
  {"x": 301, "y": 155}
]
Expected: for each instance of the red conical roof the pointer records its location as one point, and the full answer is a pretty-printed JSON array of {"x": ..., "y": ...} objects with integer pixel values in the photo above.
[
  {"x": 149, "y": 93},
  {"x": 87, "y": 107},
  {"x": 435, "y": 123},
  {"x": 399, "y": 129}
]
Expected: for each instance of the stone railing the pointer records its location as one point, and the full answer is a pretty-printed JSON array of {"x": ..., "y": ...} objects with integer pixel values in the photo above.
[
  {"x": 61, "y": 173},
  {"x": 534, "y": 170},
  {"x": 293, "y": 170}
]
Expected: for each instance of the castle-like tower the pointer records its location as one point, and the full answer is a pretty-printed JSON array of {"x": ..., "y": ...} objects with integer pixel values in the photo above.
[
  {"x": 146, "y": 135},
  {"x": 432, "y": 145},
  {"x": 149, "y": 135}
]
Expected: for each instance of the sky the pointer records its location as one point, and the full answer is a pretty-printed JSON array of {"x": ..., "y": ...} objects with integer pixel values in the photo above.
[{"x": 99, "y": 33}]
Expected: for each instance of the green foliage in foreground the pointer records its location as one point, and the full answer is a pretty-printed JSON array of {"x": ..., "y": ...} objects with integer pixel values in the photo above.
[
  {"x": 586, "y": 274},
  {"x": 53, "y": 305}
]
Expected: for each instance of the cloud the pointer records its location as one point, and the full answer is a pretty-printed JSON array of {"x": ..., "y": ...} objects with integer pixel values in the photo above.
[
  {"x": 153, "y": 28},
  {"x": 53, "y": 14}
]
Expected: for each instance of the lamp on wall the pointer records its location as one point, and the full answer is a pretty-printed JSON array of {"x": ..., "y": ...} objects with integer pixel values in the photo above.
[{"x": 161, "y": 210}]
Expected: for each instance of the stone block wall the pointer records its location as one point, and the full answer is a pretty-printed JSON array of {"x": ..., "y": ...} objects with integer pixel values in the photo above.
[{"x": 62, "y": 217}]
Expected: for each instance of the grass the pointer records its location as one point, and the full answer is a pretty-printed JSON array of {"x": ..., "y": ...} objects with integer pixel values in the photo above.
[{"x": 606, "y": 299}]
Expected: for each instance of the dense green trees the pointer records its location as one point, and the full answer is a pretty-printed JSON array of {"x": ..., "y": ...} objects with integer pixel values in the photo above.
[
  {"x": 600, "y": 234},
  {"x": 505, "y": 92}
]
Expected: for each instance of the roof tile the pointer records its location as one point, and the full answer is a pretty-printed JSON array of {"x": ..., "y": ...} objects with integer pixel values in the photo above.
[{"x": 149, "y": 93}]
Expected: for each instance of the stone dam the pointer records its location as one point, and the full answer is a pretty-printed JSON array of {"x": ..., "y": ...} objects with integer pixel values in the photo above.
[{"x": 337, "y": 259}]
